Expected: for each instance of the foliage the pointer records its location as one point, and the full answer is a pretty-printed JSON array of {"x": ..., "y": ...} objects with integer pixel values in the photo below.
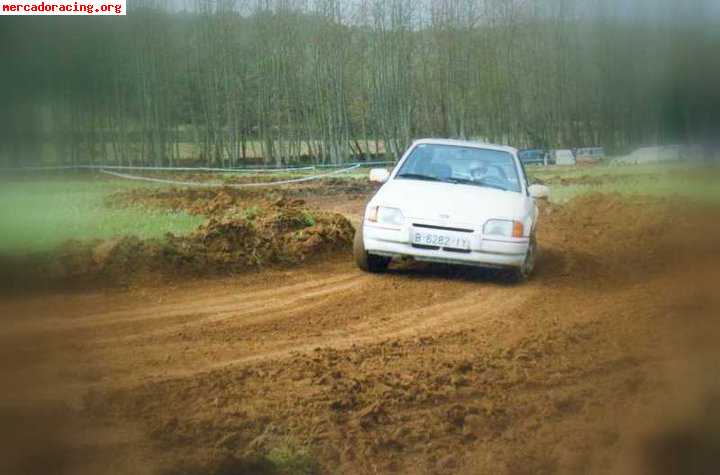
[
  {"x": 308, "y": 218},
  {"x": 280, "y": 82},
  {"x": 287, "y": 460},
  {"x": 251, "y": 213}
]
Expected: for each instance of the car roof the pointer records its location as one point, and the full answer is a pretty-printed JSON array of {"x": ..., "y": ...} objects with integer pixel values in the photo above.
[{"x": 466, "y": 143}]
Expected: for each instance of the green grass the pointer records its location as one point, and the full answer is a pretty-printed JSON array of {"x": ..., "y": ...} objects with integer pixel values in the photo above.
[
  {"x": 288, "y": 460},
  {"x": 39, "y": 215},
  {"x": 677, "y": 181}
]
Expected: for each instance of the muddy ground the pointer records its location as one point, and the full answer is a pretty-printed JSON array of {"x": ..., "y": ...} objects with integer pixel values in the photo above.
[{"x": 605, "y": 362}]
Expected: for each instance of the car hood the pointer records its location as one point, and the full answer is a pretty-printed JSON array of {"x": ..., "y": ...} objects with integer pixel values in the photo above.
[{"x": 449, "y": 202}]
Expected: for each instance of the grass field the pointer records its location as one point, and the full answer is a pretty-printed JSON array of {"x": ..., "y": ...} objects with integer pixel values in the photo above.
[
  {"x": 39, "y": 215},
  {"x": 680, "y": 181}
]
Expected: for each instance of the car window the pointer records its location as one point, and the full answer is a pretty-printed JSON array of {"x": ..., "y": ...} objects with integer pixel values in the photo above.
[{"x": 466, "y": 165}]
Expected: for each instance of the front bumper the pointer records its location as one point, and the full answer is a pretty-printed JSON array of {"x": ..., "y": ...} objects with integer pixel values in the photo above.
[{"x": 484, "y": 252}]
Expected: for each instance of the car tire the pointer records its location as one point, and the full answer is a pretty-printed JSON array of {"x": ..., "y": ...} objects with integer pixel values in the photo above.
[
  {"x": 523, "y": 273},
  {"x": 365, "y": 261}
]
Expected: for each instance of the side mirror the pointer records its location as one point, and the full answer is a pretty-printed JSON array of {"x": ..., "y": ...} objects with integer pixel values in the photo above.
[
  {"x": 539, "y": 192},
  {"x": 379, "y": 175}
]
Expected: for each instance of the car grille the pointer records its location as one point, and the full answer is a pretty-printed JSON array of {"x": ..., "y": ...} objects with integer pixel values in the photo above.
[
  {"x": 436, "y": 248},
  {"x": 422, "y": 246},
  {"x": 459, "y": 251}
]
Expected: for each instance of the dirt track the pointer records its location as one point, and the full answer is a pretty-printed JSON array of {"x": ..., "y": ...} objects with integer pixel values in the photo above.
[{"x": 423, "y": 370}]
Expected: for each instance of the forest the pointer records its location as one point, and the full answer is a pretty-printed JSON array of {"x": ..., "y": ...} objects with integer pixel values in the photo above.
[{"x": 277, "y": 82}]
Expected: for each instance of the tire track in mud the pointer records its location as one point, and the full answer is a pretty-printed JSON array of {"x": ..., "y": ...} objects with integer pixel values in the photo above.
[
  {"x": 484, "y": 305},
  {"x": 189, "y": 305},
  {"x": 255, "y": 310},
  {"x": 149, "y": 344},
  {"x": 130, "y": 342}
]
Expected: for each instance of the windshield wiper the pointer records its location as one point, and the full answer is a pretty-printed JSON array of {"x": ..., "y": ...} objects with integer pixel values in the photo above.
[
  {"x": 417, "y": 176},
  {"x": 466, "y": 181}
]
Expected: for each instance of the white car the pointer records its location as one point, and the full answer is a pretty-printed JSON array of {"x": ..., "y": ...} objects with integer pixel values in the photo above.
[{"x": 453, "y": 202}]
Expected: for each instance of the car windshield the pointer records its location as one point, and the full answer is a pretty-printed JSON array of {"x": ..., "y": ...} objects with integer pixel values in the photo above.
[{"x": 461, "y": 165}]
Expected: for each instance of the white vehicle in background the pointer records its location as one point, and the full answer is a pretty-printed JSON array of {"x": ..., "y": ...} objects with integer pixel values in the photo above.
[
  {"x": 452, "y": 202},
  {"x": 564, "y": 157},
  {"x": 589, "y": 154}
]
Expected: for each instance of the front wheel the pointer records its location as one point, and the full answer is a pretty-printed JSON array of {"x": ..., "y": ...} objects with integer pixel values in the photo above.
[
  {"x": 365, "y": 261},
  {"x": 524, "y": 272}
]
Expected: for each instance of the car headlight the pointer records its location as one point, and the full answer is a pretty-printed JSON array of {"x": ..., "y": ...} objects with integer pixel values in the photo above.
[
  {"x": 384, "y": 215},
  {"x": 503, "y": 228}
]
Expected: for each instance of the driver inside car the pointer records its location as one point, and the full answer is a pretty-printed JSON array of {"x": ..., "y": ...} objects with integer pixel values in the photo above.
[{"x": 478, "y": 171}]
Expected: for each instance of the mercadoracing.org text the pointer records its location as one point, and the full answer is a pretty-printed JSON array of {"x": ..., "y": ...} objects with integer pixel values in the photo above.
[{"x": 59, "y": 7}]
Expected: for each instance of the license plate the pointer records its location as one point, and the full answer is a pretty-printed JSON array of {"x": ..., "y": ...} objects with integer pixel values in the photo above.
[{"x": 440, "y": 240}]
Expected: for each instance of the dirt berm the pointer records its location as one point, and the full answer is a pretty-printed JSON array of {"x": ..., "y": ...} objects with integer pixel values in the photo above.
[{"x": 232, "y": 240}]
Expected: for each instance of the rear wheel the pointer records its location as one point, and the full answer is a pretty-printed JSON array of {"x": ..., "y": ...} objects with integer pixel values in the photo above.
[{"x": 365, "y": 261}]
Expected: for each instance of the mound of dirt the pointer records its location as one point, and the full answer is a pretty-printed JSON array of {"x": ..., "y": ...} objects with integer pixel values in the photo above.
[
  {"x": 284, "y": 232},
  {"x": 213, "y": 201},
  {"x": 592, "y": 180},
  {"x": 195, "y": 201}
]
